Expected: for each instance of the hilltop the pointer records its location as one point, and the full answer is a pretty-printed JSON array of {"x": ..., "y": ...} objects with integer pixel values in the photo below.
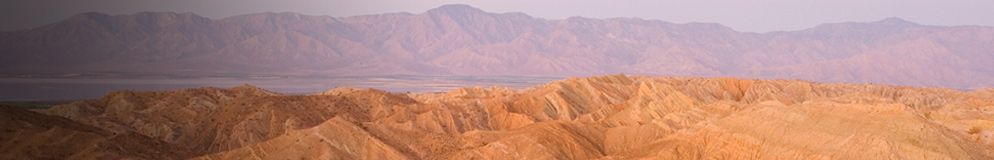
[{"x": 604, "y": 117}]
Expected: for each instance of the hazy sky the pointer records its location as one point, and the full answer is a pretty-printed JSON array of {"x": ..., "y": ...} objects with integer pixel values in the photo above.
[{"x": 743, "y": 15}]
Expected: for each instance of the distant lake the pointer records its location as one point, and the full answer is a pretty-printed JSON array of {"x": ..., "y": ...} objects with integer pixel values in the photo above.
[{"x": 89, "y": 87}]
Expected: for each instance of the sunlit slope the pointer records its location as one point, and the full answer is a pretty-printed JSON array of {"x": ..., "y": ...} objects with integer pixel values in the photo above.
[{"x": 606, "y": 117}]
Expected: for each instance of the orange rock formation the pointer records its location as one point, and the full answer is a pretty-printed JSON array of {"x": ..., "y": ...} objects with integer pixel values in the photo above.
[{"x": 608, "y": 117}]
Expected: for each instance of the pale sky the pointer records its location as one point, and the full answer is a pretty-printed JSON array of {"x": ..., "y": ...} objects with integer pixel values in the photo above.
[{"x": 742, "y": 15}]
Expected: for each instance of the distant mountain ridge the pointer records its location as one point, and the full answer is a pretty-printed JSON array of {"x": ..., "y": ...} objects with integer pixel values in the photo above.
[{"x": 462, "y": 40}]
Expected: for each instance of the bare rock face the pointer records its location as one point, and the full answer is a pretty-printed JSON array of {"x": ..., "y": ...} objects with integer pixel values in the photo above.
[
  {"x": 607, "y": 117},
  {"x": 31, "y": 135}
]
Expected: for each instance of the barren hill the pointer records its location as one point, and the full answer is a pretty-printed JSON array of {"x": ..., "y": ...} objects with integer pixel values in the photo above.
[
  {"x": 606, "y": 117},
  {"x": 462, "y": 40}
]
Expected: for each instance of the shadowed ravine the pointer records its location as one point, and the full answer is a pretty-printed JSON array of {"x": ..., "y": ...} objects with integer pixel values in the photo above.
[{"x": 605, "y": 117}]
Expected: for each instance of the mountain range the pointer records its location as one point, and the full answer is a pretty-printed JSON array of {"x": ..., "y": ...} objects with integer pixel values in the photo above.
[{"x": 463, "y": 40}]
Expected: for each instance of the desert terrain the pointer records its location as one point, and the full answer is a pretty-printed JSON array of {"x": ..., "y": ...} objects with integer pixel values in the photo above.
[
  {"x": 490, "y": 79},
  {"x": 601, "y": 117}
]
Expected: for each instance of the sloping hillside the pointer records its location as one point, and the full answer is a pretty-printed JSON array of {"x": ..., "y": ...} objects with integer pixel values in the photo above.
[{"x": 607, "y": 117}]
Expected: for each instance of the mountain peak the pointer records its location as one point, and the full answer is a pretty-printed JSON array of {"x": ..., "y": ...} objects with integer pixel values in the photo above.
[
  {"x": 887, "y": 25},
  {"x": 85, "y": 19},
  {"x": 456, "y": 9},
  {"x": 895, "y": 21}
]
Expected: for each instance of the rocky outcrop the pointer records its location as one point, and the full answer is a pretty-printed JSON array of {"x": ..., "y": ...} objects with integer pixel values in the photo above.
[
  {"x": 606, "y": 117},
  {"x": 30, "y": 135}
]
